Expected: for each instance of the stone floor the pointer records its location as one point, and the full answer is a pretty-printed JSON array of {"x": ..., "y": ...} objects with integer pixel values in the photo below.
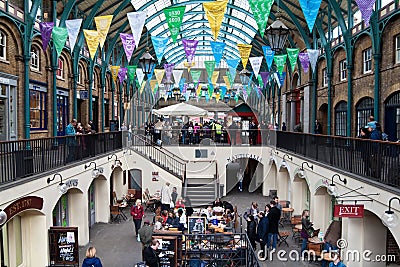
[{"x": 116, "y": 243}]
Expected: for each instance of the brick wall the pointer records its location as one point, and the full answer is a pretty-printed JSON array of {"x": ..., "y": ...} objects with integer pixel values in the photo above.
[{"x": 392, "y": 248}]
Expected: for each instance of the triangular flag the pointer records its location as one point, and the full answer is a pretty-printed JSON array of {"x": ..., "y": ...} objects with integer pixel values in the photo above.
[
  {"x": 159, "y": 75},
  {"x": 114, "y": 72},
  {"x": 189, "y": 46},
  {"x": 142, "y": 88},
  {"x": 244, "y": 51},
  {"x": 255, "y": 63},
  {"x": 60, "y": 36},
  {"x": 292, "y": 55},
  {"x": 214, "y": 77},
  {"x": 131, "y": 72},
  {"x": 366, "y": 9},
  {"x": 177, "y": 76},
  {"x": 159, "y": 44},
  {"x": 140, "y": 75},
  {"x": 73, "y": 27},
  {"x": 174, "y": 17},
  {"x": 129, "y": 44},
  {"x": 260, "y": 10},
  {"x": 168, "y": 70},
  {"x": 103, "y": 25},
  {"x": 195, "y": 75},
  {"x": 305, "y": 61},
  {"x": 150, "y": 75},
  {"x": 269, "y": 55},
  {"x": 137, "y": 20},
  {"x": 92, "y": 41},
  {"x": 215, "y": 12},
  {"x": 264, "y": 76},
  {"x": 217, "y": 49},
  {"x": 232, "y": 64},
  {"x": 45, "y": 30},
  {"x": 153, "y": 84},
  {"x": 313, "y": 56},
  {"x": 227, "y": 82},
  {"x": 210, "y": 66},
  {"x": 188, "y": 65},
  {"x": 122, "y": 74},
  {"x": 310, "y": 10},
  {"x": 280, "y": 61}
]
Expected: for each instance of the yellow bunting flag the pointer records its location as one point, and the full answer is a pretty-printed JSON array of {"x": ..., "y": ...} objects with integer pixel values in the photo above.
[
  {"x": 103, "y": 25},
  {"x": 227, "y": 83},
  {"x": 215, "y": 12},
  {"x": 92, "y": 41},
  {"x": 153, "y": 84},
  {"x": 159, "y": 75},
  {"x": 142, "y": 87},
  {"x": 244, "y": 51},
  {"x": 114, "y": 73},
  {"x": 214, "y": 77},
  {"x": 217, "y": 97},
  {"x": 198, "y": 91},
  {"x": 188, "y": 65}
]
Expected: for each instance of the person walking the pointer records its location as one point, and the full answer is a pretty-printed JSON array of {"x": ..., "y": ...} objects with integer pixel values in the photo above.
[
  {"x": 149, "y": 254},
  {"x": 239, "y": 177},
  {"x": 274, "y": 216},
  {"x": 91, "y": 260},
  {"x": 137, "y": 213},
  {"x": 166, "y": 197}
]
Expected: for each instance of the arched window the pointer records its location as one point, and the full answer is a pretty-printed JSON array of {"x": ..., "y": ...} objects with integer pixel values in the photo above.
[
  {"x": 341, "y": 118},
  {"x": 80, "y": 75},
  {"x": 295, "y": 81},
  {"x": 35, "y": 58},
  {"x": 364, "y": 109},
  {"x": 392, "y": 117},
  {"x": 3, "y": 45}
]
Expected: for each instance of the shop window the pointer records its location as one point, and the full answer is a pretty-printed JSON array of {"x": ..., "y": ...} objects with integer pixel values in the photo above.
[
  {"x": 60, "y": 70},
  {"x": 3, "y": 46},
  {"x": 79, "y": 77},
  {"x": 364, "y": 109},
  {"x": 367, "y": 60},
  {"x": 398, "y": 48},
  {"x": 324, "y": 77},
  {"x": 38, "y": 110},
  {"x": 35, "y": 59},
  {"x": 341, "y": 119},
  {"x": 343, "y": 70},
  {"x": 60, "y": 212}
]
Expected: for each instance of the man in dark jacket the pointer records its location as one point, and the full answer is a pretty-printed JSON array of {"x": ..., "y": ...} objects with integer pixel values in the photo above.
[
  {"x": 274, "y": 215},
  {"x": 149, "y": 254},
  {"x": 262, "y": 232},
  {"x": 146, "y": 234}
]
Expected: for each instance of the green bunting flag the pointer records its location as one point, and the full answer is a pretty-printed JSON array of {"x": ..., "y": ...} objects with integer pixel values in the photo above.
[
  {"x": 59, "y": 37},
  {"x": 280, "y": 61},
  {"x": 131, "y": 72},
  {"x": 195, "y": 75},
  {"x": 260, "y": 10},
  {"x": 292, "y": 53},
  {"x": 228, "y": 73},
  {"x": 174, "y": 17},
  {"x": 260, "y": 81},
  {"x": 210, "y": 66}
]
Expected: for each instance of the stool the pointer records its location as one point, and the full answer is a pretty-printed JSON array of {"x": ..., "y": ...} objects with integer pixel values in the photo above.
[{"x": 282, "y": 238}]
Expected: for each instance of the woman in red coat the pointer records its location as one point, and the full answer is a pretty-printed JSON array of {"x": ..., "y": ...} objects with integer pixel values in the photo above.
[{"x": 137, "y": 213}]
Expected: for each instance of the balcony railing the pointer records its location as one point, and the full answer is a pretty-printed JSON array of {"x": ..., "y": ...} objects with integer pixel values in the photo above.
[{"x": 24, "y": 158}]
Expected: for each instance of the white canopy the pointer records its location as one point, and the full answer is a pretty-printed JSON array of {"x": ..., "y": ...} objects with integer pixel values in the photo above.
[{"x": 181, "y": 109}]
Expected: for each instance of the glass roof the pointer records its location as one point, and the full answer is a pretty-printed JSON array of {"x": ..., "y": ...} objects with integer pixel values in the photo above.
[{"x": 238, "y": 26}]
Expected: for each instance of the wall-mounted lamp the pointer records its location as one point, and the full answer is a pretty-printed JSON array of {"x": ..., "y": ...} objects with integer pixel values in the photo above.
[
  {"x": 300, "y": 173},
  {"x": 96, "y": 171},
  {"x": 3, "y": 217},
  {"x": 389, "y": 218},
  {"x": 117, "y": 162},
  {"x": 271, "y": 157},
  {"x": 332, "y": 187},
  {"x": 61, "y": 186},
  {"x": 283, "y": 163}
]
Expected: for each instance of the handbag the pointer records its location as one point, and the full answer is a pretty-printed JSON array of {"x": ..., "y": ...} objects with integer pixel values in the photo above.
[{"x": 310, "y": 232}]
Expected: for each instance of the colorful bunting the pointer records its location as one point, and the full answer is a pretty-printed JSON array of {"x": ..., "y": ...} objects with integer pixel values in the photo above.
[
  {"x": 244, "y": 51},
  {"x": 264, "y": 76},
  {"x": 188, "y": 65},
  {"x": 195, "y": 75},
  {"x": 159, "y": 44},
  {"x": 313, "y": 56},
  {"x": 215, "y": 12},
  {"x": 227, "y": 82},
  {"x": 92, "y": 41},
  {"x": 153, "y": 84},
  {"x": 122, "y": 74},
  {"x": 114, "y": 72},
  {"x": 269, "y": 55},
  {"x": 60, "y": 36},
  {"x": 214, "y": 77},
  {"x": 366, "y": 9},
  {"x": 218, "y": 49},
  {"x": 131, "y": 72},
  {"x": 129, "y": 44},
  {"x": 174, "y": 17},
  {"x": 159, "y": 73},
  {"x": 168, "y": 70},
  {"x": 103, "y": 25},
  {"x": 305, "y": 61},
  {"x": 142, "y": 87},
  {"x": 210, "y": 66},
  {"x": 73, "y": 27},
  {"x": 189, "y": 46},
  {"x": 177, "y": 76},
  {"x": 232, "y": 64},
  {"x": 310, "y": 10},
  {"x": 280, "y": 61},
  {"x": 136, "y": 21},
  {"x": 255, "y": 63},
  {"x": 140, "y": 75},
  {"x": 260, "y": 10},
  {"x": 45, "y": 30},
  {"x": 292, "y": 55}
]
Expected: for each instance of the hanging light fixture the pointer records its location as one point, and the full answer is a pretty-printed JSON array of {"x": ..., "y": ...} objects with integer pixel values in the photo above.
[
  {"x": 389, "y": 218},
  {"x": 62, "y": 187},
  {"x": 3, "y": 217},
  {"x": 96, "y": 171},
  {"x": 283, "y": 165},
  {"x": 277, "y": 34},
  {"x": 147, "y": 62},
  {"x": 300, "y": 172},
  {"x": 332, "y": 187}
]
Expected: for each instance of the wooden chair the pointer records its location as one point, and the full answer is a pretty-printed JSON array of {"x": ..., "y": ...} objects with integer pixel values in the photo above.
[
  {"x": 283, "y": 235},
  {"x": 130, "y": 197},
  {"x": 294, "y": 221},
  {"x": 116, "y": 214}
]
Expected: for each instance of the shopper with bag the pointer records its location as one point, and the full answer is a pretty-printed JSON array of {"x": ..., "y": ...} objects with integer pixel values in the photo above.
[{"x": 137, "y": 213}]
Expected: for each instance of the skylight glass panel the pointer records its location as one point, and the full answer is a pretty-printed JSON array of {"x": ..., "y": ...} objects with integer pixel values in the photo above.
[{"x": 137, "y": 4}]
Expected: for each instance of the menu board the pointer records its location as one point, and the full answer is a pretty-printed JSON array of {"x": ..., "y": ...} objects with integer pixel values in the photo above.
[
  {"x": 167, "y": 251},
  {"x": 63, "y": 243}
]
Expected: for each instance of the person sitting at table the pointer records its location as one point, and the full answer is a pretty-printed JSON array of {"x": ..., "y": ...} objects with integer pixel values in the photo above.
[
  {"x": 164, "y": 216},
  {"x": 158, "y": 224},
  {"x": 217, "y": 202},
  {"x": 182, "y": 220},
  {"x": 179, "y": 204},
  {"x": 230, "y": 214},
  {"x": 336, "y": 260},
  {"x": 306, "y": 226},
  {"x": 209, "y": 213},
  {"x": 227, "y": 221},
  {"x": 172, "y": 220},
  {"x": 227, "y": 206}
]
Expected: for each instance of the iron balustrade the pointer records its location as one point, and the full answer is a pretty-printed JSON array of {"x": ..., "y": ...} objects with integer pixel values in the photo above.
[{"x": 24, "y": 158}]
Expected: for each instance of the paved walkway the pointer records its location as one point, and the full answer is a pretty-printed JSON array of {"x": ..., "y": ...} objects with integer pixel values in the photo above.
[{"x": 117, "y": 246}]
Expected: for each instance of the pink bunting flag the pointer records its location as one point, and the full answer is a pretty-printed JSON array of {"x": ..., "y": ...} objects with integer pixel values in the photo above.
[
  {"x": 366, "y": 9},
  {"x": 305, "y": 61},
  {"x": 45, "y": 30},
  {"x": 168, "y": 70},
  {"x": 122, "y": 74},
  {"x": 128, "y": 41}
]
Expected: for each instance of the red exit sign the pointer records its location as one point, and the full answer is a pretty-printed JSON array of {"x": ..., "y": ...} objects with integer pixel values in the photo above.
[{"x": 349, "y": 211}]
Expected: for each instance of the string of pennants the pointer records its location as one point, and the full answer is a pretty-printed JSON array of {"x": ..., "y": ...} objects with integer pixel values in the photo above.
[{"x": 215, "y": 12}]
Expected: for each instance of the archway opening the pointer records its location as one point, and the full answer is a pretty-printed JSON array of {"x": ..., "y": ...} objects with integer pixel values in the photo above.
[{"x": 252, "y": 171}]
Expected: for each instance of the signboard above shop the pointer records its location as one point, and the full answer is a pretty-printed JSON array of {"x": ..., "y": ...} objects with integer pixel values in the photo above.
[{"x": 349, "y": 211}]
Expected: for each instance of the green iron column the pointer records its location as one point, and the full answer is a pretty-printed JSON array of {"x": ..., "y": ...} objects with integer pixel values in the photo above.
[
  {"x": 329, "y": 122},
  {"x": 314, "y": 87},
  {"x": 54, "y": 68},
  {"x": 349, "y": 54},
  {"x": 377, "y": 60},
  {"x": 112, "y": 99},
  {"x": 376, "y": 48},
  {"x": 121, "y": 106},
  {"x": 90, "y": 74},
  {"x": 103, "y": 88}
]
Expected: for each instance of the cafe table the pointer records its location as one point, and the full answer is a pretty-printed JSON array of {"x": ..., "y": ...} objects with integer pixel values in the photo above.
[
  {"x": 121, "y": 207},
  {"x": 315, "y": 244},
  {"x": 287, "y": 214}
]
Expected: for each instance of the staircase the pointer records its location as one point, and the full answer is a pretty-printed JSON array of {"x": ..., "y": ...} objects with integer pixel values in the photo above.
[{"x": 159, "y": 156}]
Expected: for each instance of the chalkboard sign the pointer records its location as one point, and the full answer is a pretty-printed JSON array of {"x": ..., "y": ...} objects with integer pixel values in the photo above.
[
  {"x": 197, "y": 225},
  {"x": 63, "y": 244},
  {"x": 167, "y": 250}
]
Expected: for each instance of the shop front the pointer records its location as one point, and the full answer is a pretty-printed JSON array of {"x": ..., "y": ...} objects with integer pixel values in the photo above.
[{"x": 8, "y": 107}]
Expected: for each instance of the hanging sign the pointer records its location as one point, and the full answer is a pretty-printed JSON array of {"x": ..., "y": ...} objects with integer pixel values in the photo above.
[
  {"x": 139, "y": 75},
  {"x": 45, "y": 30},
  {"x": 349, "y": 211},
  {"x": 244, "y": 51},
  {"x": 168, "y": 70},
  {"x": 292, "y": 55},
  {"x": 269, "y": 55},
  {"x": 210, "y": 66},
  {"x": 92, "y": 41},
  {"x": 215, "y": 12},
  {"x": 159, "y": 75},
  {"x": 73, "y": 27},
  {"x": 129, "y": 44},
  {"x": 136, "y": 21},
  {"x": 366, "y": 9},
  {"x": 59, "y": 38},
  {"x": 260, "y": 10},
  {"x": 310, "y": 10},
  {"x": 103, "y": 25},
  {"x": 22, "y": 204},
  {"x": 304, "y": 60},
  {"x": 189, "y": 46},
  {"x": 280, "y": 61},
  {"x": 159, "y": 44},
  {"x": 131, "y": 72},
  {"x": 264, "y": 76},
  {"x": 217, "y": 49},
  {"x": 255, "y": 63},
  {"x": 177, "y": 76},
  {"x": 174, "y": 17},
  {"x": 114, "y": 72},
  {"x": 122, "y": 74},
  {"x": 313, "y": 56}
]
